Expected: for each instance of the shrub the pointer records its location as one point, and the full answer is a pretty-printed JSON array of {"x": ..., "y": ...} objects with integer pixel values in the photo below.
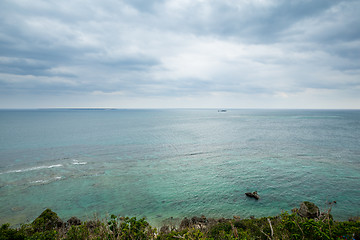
[
  {"x": 129, "y": 228},
  {"x": 220, "y": 230},
  {"x": 48, "y": 220},
  {"x": 46, "y": 235},
  {"x": 78, "y": 233},
  {"x": 284, "y": 226},
  {"x": 8, "y": 233}
]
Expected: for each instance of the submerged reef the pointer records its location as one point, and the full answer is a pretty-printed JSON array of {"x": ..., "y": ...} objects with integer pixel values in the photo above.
[{"x": 307, "y": 222}]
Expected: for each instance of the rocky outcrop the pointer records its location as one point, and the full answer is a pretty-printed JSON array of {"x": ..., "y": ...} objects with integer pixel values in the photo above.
[
  {"x": 253, "y": 195},
  {"x": 194, "y": 222},
  {"x": 73, "y": 221},
  {"x": 47, "y": 220},
  {"x": 354, "y": 219},
  {"x": 165, "y": 229},
  {"x": 92, "y": 224},
  {"x": 200, "y": 222},
  {"x": 185, "y": 223},
  {"x": 309, "y": 210}
]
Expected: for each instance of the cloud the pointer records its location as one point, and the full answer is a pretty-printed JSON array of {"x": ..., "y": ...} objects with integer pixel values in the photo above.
[{"x": 209, "y": 52}]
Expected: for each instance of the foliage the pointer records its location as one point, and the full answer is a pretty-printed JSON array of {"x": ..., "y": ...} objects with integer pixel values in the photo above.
[
  {"x": 284, "y": 226},
  {"x": 46, "y": 235},
  {"x": 220, "y": 231},
  {"x": 78, "y": 232},
  {"x": 129, "y": 228},
  {"x": 47, "y": 220},
  {"x": 8, "y": 233}
]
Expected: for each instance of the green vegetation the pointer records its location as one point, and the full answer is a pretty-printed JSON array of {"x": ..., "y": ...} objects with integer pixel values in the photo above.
[{"x": 285, "y": 226}]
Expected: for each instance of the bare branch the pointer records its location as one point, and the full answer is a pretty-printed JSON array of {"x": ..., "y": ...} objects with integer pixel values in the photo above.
[{"x": 272, "y": 231}]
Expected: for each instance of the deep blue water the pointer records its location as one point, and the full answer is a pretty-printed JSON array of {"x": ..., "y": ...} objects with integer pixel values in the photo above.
[{"x": 176, "y": 163}]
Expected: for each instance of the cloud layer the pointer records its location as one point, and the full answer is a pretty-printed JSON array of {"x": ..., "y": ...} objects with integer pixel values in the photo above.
[{"x": 180, "y": 53}]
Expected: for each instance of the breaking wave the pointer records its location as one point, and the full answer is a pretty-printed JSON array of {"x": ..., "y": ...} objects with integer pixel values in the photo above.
[{"x": 33, "y": 169}]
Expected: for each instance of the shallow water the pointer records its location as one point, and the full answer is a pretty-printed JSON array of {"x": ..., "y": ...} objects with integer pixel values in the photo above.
[{"x": 176, "y": 163}]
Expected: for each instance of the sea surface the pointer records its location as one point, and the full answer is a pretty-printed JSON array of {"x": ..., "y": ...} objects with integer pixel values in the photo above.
[{"x": 168, "y": 164}]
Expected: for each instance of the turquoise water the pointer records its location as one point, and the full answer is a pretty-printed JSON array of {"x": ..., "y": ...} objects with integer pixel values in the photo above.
[{"x": 176, "y": 163}]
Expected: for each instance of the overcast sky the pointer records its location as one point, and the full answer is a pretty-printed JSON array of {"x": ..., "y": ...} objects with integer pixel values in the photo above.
[{"x": 180, "y": 53}]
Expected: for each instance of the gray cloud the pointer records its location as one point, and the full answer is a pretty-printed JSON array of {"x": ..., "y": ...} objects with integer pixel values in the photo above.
[{"x": 173, "y": 49}]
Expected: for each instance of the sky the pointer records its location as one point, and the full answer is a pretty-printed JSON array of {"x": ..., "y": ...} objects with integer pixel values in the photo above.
[{"x": 180, "y": 54}]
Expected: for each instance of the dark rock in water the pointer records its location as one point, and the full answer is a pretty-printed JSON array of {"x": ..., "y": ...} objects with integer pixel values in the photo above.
[
  {"x": 253, "y": 195},
  {"x": 47, "y": 220},
  {"x": 74, "y": 221},
  {"x": 309, "y": 210}
]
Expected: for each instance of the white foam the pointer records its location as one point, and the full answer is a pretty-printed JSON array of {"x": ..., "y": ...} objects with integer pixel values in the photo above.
[
  {"x": 40, "y": 181},
  {"x": 33, "y": 168},
  {"x": 57, "y": 165},
  {"x": 45, "y": 181},
  {"x": 76, "y": 162}
]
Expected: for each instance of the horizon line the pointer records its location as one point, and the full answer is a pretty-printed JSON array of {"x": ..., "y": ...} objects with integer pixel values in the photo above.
[{"x": 169, "y": 108}]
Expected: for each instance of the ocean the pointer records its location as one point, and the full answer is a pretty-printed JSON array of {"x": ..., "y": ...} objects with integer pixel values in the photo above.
[{"x": 168, "y": 164}]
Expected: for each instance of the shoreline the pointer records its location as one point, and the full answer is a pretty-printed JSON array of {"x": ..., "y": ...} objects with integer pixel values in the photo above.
[
  {"x": 155, "y": 220},
  {"x": 306, "y": 221},
  {"x": 158, "y": 221}
]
